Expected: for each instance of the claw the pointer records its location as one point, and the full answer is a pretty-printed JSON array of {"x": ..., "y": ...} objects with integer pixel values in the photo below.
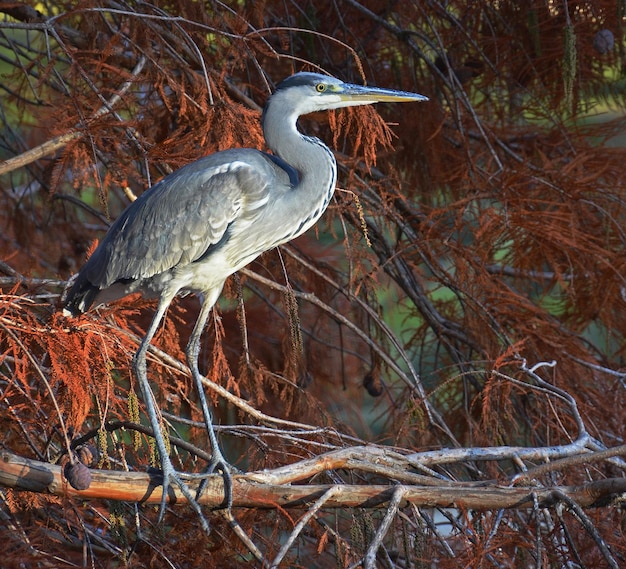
[
  {"x": 168, "y": 476},
  {"x": 217, "y": 464}
]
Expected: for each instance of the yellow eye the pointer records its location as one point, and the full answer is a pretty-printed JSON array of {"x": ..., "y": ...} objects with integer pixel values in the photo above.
[{"x": 320, "y": 87}]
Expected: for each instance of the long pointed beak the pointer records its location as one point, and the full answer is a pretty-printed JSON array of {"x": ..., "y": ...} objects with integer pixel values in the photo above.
[{"x": 365, "y": 95}]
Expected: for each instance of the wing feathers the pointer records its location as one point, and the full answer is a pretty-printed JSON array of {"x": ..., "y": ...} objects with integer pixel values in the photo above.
[{"x": 177, "y": 221}]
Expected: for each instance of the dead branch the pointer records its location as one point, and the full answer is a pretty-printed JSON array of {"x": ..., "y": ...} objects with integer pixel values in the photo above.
[
  {"x": 392, "y": 510},
  {"x": 319, "y": 504},
  {"x": 51, "y": 146},
  {"x": 34, "y": 476}
]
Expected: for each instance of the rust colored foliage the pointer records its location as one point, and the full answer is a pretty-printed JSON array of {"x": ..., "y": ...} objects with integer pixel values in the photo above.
[{"x": 466, "y": 288}]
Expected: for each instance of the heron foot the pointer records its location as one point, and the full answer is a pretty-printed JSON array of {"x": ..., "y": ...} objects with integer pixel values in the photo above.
[
  {"x": 171, "y": 476},
  {"x": 219, "y": 464}
]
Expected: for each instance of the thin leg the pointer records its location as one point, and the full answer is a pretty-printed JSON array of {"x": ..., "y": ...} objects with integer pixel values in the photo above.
[
  {"x": 218, "y": 462},
  {"x": 140, "y": 369}
]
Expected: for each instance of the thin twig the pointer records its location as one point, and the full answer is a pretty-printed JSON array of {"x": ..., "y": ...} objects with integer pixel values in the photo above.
[
  {"x": 243, "y": 536},
  {"x": 45, "y": 381},
  {"x": 586, "y": 522},
  {"x": 568, "y": 462},
  {"x": 164, "y": 358},
  {"x": 369, "y": 561},
  {"x": 51, "y": 146},
  {"x": 330, "y": 493}
]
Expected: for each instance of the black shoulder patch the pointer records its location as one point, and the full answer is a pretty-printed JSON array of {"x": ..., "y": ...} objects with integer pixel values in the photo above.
[{"x": 294, "y": 177}]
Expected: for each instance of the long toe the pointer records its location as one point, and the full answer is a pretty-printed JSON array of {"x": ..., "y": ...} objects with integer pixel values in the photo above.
[
  {"x": 219, "y": 464},
  {"x": 171, "y": 476}
]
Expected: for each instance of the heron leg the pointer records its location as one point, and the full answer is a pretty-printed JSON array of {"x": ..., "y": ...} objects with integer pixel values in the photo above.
[
  {"x": 218, "y": 462},
  {"x": 140, "y": 369}
]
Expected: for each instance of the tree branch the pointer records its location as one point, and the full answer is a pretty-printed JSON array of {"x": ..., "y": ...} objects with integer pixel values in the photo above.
[
  {"x": 51, "y": 146},
  {"x": 34, "y": 476}
]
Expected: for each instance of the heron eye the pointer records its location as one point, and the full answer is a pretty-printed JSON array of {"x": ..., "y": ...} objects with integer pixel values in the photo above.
[{"x": 320, "y": 87}]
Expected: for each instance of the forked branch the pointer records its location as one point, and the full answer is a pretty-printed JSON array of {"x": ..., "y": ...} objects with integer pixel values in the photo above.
[{"x": 41, "y": 477}]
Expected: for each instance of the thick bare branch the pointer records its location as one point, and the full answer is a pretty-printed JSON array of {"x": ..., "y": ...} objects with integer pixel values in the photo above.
[{"x": 34, "y": 476}]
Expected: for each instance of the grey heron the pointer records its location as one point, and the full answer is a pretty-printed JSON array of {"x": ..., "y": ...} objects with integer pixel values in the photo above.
[{"x": 205, "y": 221}]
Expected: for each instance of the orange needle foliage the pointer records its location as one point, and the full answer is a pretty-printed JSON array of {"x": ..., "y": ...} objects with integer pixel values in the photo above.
[{"x": 458, "y": 317}]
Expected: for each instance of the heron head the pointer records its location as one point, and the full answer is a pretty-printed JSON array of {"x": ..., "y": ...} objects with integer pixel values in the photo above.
[{"x": 310, "y": 92}]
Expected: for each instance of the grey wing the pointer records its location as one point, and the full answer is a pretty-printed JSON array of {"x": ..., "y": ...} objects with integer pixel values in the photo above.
[{"x": 178, "y": 220}]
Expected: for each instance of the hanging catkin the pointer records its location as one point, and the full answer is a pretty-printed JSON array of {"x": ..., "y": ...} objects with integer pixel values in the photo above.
[{"x": 569, "y": 65}]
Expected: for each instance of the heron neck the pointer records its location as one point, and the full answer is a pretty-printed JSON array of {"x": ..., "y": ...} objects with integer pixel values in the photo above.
[{"x": 309, "y": 156}]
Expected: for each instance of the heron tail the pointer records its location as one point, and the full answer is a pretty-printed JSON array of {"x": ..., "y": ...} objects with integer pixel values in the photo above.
[{"x": 78, "y": 296}]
